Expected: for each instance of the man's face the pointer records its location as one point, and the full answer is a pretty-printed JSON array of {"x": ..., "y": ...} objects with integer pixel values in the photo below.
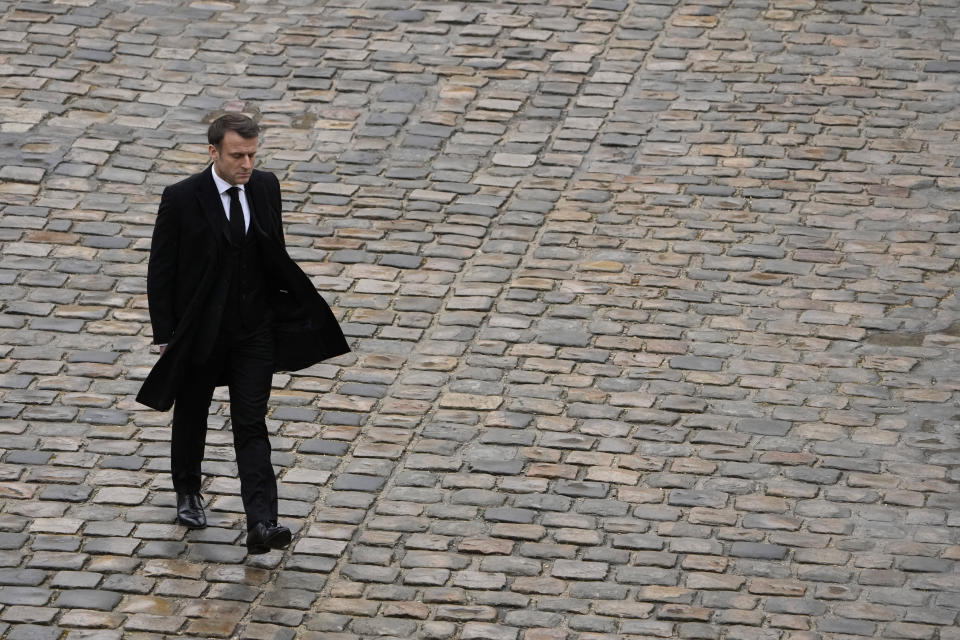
[{"x": 234, "y": 159}]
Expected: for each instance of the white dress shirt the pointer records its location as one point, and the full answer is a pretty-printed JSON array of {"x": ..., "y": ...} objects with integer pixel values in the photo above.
[{"x": 223, "y": 186}]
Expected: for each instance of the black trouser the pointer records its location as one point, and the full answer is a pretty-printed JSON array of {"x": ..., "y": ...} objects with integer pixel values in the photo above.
[{"x": 245, "y": 363}]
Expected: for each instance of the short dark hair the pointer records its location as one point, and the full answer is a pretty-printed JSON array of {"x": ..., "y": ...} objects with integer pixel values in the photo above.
[{"x": 237, "y": 122}]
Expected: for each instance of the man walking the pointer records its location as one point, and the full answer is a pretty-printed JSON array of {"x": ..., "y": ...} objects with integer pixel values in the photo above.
[{"x": 229, "y": 307}]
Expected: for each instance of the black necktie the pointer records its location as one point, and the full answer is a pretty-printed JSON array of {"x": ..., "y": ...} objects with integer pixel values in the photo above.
[{"x": 237, "y": 230}]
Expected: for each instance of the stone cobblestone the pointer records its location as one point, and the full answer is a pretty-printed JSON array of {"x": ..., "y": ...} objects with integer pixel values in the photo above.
[{"x": 653, "y": 307}]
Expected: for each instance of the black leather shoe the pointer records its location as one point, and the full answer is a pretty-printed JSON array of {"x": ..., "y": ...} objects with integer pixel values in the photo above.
[
  {"x": 267, "y": 535},
  {"x": 190, "y": 511}
]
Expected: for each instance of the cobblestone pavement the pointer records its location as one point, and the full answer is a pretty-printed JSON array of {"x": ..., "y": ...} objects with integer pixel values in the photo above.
[{"x": 653, "y": 304}]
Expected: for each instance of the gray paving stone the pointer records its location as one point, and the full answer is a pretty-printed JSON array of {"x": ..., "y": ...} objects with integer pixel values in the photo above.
[
  {"x": 88, "y": 599},
  {"x": 757, "y": 550},
  {"x": 33, "y": 632},
  {"x": 18, "y": 577},
  {"x": 34, "y": 596}
]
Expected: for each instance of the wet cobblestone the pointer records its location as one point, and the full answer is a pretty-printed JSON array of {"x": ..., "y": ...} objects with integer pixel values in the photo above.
[{"x": 653, "y": 307}]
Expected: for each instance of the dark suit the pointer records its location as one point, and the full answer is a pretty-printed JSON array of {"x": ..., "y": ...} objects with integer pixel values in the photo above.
[{"x": 220, "y": 333}]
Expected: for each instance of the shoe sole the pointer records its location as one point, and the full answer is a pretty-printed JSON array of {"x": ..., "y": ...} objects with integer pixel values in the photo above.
[
  {"x": 277, "y": 541},
  {"x": 191, "y": 525}
]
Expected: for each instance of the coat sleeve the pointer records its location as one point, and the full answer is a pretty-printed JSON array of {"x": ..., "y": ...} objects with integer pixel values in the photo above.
[{"x": 162, "y": 269}]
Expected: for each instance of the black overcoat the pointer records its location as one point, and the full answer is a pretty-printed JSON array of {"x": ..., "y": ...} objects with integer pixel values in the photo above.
[{"x": 188, "y": 279}]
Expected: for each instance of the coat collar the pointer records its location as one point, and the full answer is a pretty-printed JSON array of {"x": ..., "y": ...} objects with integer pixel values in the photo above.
[{"x": 257, "y": 199}]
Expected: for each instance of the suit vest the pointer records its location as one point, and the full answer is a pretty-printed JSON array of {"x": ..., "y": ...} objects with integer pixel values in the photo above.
[{"x": 246, "y": 306}]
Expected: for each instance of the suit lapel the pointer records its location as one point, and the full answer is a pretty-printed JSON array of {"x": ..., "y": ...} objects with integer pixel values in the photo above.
[{"x": 211, "y": 204}]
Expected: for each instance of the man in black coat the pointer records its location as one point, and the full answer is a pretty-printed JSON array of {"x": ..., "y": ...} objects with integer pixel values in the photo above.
[{"x": 229, "y": 307}]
